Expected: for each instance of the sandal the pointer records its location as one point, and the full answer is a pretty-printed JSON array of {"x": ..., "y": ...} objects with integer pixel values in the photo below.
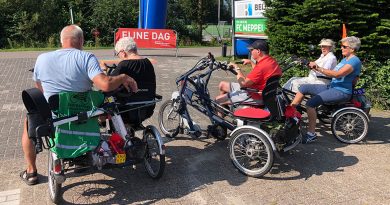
[{"x": 29, "y": 178}]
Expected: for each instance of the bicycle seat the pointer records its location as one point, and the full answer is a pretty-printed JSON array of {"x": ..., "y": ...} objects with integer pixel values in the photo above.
[
  {"x": 270, "y": 101},
  {"x": 252, "y": 113}
]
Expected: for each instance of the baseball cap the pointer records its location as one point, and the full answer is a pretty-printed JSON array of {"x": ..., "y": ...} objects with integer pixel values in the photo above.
[{"x": 259, "y": 44}]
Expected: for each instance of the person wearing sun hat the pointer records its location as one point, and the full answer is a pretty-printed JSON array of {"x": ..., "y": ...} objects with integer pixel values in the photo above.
[
  {"x": 340, "y": 89},
  {"x": 327, "y": 60}
]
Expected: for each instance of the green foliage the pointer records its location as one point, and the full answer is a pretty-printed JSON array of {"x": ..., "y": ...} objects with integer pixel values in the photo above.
[
  {"x": 375, "y": 78},
  {"x": 35, "y": 23},
  {"x": 109, "y": 15},
  {"x": 294, "y": 24}
]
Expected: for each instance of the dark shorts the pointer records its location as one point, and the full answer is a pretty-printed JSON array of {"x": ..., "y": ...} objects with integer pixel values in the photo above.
[{"x": 322, "y": 94}]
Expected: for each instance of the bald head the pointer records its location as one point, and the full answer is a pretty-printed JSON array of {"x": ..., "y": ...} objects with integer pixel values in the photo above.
[{"x": 72, "y": 37}]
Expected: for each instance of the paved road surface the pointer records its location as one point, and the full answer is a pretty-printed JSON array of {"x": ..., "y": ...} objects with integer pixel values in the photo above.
[{"x": 198, "y": 171}]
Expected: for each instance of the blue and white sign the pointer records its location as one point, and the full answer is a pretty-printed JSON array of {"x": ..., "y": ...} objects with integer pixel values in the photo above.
[{"x": 249, "y": 9}]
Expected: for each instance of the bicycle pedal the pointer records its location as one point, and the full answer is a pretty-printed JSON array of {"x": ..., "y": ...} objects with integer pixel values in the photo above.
[{"x": 195, "y": 134}]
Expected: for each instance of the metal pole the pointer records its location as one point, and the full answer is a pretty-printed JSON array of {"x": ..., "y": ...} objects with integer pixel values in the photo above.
[
  {"x": 140, "y": 15},
  {"x": 233, "y": 31},
  {"x": 71, "y": 15},
  {"x": 219, "y": 11}
]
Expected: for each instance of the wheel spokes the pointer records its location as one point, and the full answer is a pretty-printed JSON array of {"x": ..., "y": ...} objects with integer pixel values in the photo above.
[{"x": 250, "y": 153}]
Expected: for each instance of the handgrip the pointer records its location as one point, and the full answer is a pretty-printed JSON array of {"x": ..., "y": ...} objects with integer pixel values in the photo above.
[{"x": 231, "y": 69}]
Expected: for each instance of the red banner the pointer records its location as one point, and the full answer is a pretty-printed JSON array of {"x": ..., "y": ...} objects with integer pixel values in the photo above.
[{"x": 149, "y": 38}]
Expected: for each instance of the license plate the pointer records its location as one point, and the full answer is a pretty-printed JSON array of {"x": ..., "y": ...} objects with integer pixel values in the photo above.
[{"x": 120, "y": 158}]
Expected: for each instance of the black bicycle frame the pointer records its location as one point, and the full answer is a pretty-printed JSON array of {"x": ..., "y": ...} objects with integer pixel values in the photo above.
[{"x": 206, "y": 104}]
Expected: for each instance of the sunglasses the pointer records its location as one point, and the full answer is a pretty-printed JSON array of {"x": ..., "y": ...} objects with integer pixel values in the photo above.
[
  {"x": 117, "y": 54},
  {"x": 344, "y": 47}
]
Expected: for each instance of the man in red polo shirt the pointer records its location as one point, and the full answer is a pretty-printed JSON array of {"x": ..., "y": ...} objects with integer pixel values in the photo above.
[{"x": 264, "y": 68}]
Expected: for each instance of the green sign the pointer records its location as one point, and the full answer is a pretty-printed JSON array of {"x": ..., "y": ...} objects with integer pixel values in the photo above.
[{"x": 252, "y": 27}]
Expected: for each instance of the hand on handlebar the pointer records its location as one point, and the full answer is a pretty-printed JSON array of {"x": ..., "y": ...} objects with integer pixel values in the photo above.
[
  {"x": 130, "y": 84},
  {"x": 233, "y": 67},
  {"x": 313, "y": 65},
  {"x": 246, "y": 61}
]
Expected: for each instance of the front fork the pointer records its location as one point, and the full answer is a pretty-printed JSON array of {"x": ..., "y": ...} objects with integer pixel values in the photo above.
[
  {"x": 118, "y": 123},
  {"x": 185, "y": 118}
]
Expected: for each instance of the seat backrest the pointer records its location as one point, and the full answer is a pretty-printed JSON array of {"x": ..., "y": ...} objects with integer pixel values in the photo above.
[
  {"x": 54, "y": 102},
  {"x": 269, "y": 96}
]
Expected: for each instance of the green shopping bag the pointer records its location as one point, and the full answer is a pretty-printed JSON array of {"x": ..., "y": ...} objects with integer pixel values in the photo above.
[{"x": 74, "y": 139}]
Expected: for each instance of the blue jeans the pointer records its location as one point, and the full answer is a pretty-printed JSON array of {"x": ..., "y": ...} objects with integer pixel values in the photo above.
[{"x": 322, "y": 94}]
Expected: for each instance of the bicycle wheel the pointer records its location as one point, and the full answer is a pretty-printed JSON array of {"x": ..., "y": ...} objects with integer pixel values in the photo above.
[
  {"x": 251, "y": 152},
  {"x": 350, "y": 126},
  {"x": 54, "y": 186},
  {"x": 168, "y": 118},
  {"x": 154, "y": 159}
]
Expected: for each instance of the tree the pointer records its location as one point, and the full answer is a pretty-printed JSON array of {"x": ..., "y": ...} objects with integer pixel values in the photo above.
[
  {"x": 371, "y": 22},
  {"x": 198, "y": 12},
  {"x": 109, "y": 15},
  {"x": 176, "y": 18},
  {"x": 292, "y": 25},
  {"x": 4, "y": 21}
]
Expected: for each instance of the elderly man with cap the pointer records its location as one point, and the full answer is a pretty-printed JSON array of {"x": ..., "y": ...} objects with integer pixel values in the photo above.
[
  {"x": 327, "y": 60},
  {"x": 264, "y": 68}
]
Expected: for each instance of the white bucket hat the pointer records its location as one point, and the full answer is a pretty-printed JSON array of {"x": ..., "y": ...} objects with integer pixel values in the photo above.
[{"x": 326, "y": 42}]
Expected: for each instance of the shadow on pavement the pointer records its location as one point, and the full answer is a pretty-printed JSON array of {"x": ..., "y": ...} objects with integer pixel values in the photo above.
[
  {"x": 188, "y": 169},
  {"x": 308, "y": 160},
  {"x": 378, "y": 131},
  {"x": 311, "y": 159}
]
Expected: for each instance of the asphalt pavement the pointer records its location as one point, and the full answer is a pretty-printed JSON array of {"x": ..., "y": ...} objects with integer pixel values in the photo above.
[{"x": 197, "y": 171}]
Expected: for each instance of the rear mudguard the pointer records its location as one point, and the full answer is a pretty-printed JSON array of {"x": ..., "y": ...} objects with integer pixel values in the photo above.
[
  {"x": 350, "y": 108},
  {"x": 262, "y": 132},
  {"x": 154, "y": 130}
]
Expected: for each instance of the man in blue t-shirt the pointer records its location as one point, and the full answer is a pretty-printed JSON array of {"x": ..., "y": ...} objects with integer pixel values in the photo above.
[{"x": 67, "y": 69}]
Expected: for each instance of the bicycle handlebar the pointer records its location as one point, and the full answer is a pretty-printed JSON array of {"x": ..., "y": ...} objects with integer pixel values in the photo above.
[
  {"x": 293, "y": 60},
  {"x": 210, "y": 62}
]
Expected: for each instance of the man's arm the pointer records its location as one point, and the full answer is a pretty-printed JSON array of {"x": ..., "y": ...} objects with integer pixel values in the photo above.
[
  {"x": 242, "y": 80},
  {"x": 39, "y": 86},
  {"x": 109, "y": 83},
  {"x": 344, "y": 71},
  {"x": 248, "y": 61}
]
